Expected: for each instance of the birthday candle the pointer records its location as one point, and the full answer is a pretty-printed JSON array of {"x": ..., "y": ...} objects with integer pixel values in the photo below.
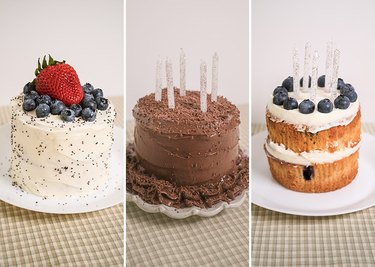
[
  {"x": 335, "y": 74},
  {"x": 182, "y": 73},
  {"x": 329, "y": 59},
  {"x": 169, "y": 72},
  {"x": 306, "y": 79},
  {"x": 296, "y": 74},
  {"x": 203, "y": 86},
  {"x": 314, "y": 76},
  {"x": 215, "y": 74},
  {"x": 158, "y": 80}
]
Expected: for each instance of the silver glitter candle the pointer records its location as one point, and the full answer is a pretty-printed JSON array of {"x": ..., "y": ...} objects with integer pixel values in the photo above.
[
  {"x": 203, "y": 86},
  {"x": 215, "y": 77},
  {"x": 335, "y": 73},
  {"x": 296, "y": 87},
  {"x": 182, "y": 73},
  {"x": 314, "y": 76},
  {"x": 329, "y": 59},
  {"x": 158, "y": 80},
  {"x": 169, "y": 72},
  {"x": 305, "y": 85}
]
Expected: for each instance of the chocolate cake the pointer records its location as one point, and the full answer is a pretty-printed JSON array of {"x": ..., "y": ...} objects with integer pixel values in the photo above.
[{"x": 184, "y": 157}]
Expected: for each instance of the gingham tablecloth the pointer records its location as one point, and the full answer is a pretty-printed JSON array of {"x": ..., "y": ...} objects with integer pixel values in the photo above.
[
  {"x": 156, "y": 240},
  {"x": 29, "y": 238},
  {"x": 287, "y": 240}
]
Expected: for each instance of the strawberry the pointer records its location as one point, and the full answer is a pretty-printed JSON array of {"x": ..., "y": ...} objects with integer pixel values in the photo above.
[{"x": 58, "y": 80}]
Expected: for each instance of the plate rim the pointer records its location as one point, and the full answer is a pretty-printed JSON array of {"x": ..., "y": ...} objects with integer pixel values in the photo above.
[
  {"x": 62, "y": 212},
  {"x": 260, "y": 201}
]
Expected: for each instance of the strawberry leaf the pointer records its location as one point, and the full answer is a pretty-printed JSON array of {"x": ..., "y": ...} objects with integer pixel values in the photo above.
[
  {"x": 36, "y": 72},
  {"x": 39, "y": 66},
  {"x": 51, "y": 61},
  {"x": 44, "y": 64}
]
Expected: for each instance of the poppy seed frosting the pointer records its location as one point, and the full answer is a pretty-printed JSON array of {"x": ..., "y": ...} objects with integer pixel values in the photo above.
[{"x": 54, "y": 158}]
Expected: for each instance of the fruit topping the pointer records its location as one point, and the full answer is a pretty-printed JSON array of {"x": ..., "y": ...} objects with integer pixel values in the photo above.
[
  {"x": 31, "y": 95},
  {"x": 342, "y": 102},
  {"x": 43, "y": 99},
  {"x": 290, "y": 104},
  {"x": 306, "y": 106},
  {"x": 325, "y": 106},
  {"x": 87, "y": 88},
  {"x": 30, "y": 86},
  {"x": 349, "y": 91},
  {"x": 58, "y": 80},
  {"x": 102, "y": 103},
  {"x": 88, "y": 114},
  {"x": 77, "y": 109},
  {"x": 280, "y": 97},
  {"x": 68, "y": 115},
  {"x": 89, "y": 103},
  {"x": 28, "y": 105},
  {"x": 56, "y": 107},
  {"x": 43, "y": 110},
  {"x": 280, "y": 89},
  {"x": 288, "y": 84}
]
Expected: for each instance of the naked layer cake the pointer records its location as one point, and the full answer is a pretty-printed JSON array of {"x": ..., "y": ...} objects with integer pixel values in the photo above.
[
  {"x": 184, "y": 157},
  {"x": 61, "y": 134},
  {"x": 313, "y": 145}
]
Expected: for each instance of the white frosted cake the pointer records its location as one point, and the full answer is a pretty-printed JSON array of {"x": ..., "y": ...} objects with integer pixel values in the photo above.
[{"x": 56, "y": 155}]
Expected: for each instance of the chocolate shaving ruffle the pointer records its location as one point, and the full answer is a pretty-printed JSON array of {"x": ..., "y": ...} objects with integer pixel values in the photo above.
[{"x": 157, "y": 191}]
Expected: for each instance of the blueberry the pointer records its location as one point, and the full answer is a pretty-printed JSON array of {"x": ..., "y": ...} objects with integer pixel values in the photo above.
[
  {"x": 87, "y": 88},
  {"x": 102, "y": 103},
  {"x": 42, "y": 110},
  {"x": 346, "y": 88},
  {"x": 97, "y": 92},
  {"x": 301, "y": 81},
  {"x": 88, "y": 114},
  {"x": 56, "y": 107},
  {"x": 44, "y": 99},
  {"x": 308, "y": 172},
  {"x": 89, "y": 103},
  {"x": 322, "y": 81},
  {"x": 29, "y": 105},
  {"x": 340, "y": 83},
  {"x": 352, "y": 95},
  {"x": 290, "y": 104},
  {"x": 77, "y": 109},
  {"x": 306, "y": 106},
  {"x": 342, "y": 102},
  {"x": 325, "y": 106},
  {"x": 280, "y": 89},
  {"x": 288, "y": 84},
  {"x": 30, "y": 86},
  {"x": 67, "y": 115},
  {"x": 279, "y": 98},
  {"x": 31, "y": 95}
]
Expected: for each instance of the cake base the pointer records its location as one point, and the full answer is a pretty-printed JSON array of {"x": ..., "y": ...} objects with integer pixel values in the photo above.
[
  {"x": 317, "y": 178},
  {"x": 157, "y": 191}
]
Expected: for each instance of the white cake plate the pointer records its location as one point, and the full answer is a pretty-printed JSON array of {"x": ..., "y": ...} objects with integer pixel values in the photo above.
[
  {"x": 358, "y": 195},
  {"x": 186, "y": 212},
  {"x": 112, "y": 193}
]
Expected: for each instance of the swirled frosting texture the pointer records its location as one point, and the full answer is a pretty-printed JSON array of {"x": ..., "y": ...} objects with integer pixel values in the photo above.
[
  {"x": 53, "y": 158},
  {"x": 185, "y": 145}
]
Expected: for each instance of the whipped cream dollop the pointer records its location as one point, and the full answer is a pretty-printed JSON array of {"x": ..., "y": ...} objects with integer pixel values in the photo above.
[
  {"x": 53, "y": 158},
  {"x": 316, "y": 121},
  {"x": 307, "y": 158}
]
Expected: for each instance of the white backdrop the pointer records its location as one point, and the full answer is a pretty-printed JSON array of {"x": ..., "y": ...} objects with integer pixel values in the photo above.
[
  {"x": 88, "y": 34},
  {"x": 279, "y": 25},
  {"x": 200, "y": 27}
]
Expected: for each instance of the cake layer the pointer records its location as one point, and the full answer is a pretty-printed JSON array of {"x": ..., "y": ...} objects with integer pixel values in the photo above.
[
  {"x": 307, "y": 158},
  {"x": 184, "y": 145},
  {"x": 53, "y": 158},
  {"x": 331, "y": 140},
  {"x": 315, "y": 178},
  {"x": 315, "y": 121}
]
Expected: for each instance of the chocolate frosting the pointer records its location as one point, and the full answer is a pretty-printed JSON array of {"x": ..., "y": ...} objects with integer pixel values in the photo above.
[
  {"x": 184, "y": 145},
  {"x": 158, "y": 191}
]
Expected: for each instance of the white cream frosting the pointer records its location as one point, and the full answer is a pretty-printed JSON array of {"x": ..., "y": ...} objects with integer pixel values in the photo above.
[
  {"x": 53, "y": 158},
  {"x": 307, "y": 158},
  {"x": 315, "y": 121}
]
